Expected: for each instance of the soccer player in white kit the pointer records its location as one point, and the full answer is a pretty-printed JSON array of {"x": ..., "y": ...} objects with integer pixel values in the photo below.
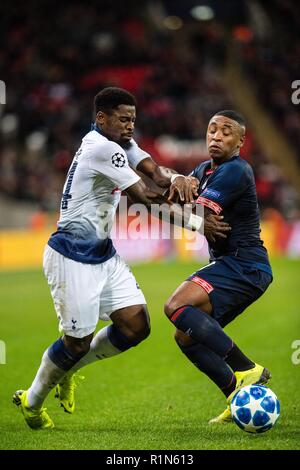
[{"x": 88, "y": 279}]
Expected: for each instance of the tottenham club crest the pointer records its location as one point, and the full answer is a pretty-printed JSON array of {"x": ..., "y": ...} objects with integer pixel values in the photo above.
[{"x": 118, "y": 160}]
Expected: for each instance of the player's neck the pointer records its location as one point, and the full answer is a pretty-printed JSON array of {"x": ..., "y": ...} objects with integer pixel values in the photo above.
[{"x": 215, "y": 163}]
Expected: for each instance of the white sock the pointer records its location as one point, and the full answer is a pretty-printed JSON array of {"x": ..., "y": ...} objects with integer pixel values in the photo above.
[
  {"x": 49, "y": 375},
  {"x": 45, "y": 380},
  {"x": 100, "y": 348}
]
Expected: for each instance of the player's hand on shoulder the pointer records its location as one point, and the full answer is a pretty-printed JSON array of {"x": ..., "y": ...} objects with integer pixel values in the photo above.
[
  {"x": 215, "y": 227},
  {"x": 184, "y": 189}
]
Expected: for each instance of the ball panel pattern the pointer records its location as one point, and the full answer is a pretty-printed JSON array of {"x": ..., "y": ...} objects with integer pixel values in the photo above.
[
  {"x": 258, "y": 392},
  {"x": 260, "y": 418},
  {"x": 255, "y": 408},
  {"x": 242, "y": 398},
  {"x": 268, "y": 404},
  {"x": 244, "y": 415}
]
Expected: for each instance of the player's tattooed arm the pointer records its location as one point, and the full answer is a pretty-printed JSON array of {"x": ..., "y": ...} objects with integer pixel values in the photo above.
[{"x": 180, "y": 188}]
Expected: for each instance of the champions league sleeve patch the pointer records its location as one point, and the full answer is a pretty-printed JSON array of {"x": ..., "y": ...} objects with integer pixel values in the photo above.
[
  {"x": 211, "y": 192},
  {"x": 118, "y": 160}
]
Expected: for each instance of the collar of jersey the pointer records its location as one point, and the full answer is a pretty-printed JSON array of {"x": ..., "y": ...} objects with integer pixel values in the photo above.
[
  {"x": 230, "y": 159},
  {"x": 226, "y": 161},
  {"x": 94, "y": 127}
]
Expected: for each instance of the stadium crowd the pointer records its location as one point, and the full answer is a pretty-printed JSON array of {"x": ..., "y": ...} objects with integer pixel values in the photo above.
[
  {"x": 270, "y": 54},
  {"x": 55, "y": 62}
]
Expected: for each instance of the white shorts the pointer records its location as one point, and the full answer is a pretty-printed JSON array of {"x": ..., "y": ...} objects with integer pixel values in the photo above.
[{"x": 84, "y": 293}]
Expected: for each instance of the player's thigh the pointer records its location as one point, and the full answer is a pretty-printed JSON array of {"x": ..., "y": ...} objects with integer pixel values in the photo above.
[
  {"x": 75, "y": 289},
  {"x": 121, "y": 291},
  {"x": 188, "y": 293}
]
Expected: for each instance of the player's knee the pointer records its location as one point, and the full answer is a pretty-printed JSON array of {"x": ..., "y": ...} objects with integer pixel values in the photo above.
[
  {"x": 144, "y": 333},
  {"x": 170, "y": 307},
  {"x": 78, "y": 346},
  {"x": 139, "y": 333},
  {"x": 79, "y": 349},
  {"x": 133, "y": 323}
]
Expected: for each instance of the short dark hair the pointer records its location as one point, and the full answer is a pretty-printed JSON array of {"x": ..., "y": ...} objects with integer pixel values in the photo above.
[
  {"x": 231, "y": 114},
  {"x": 111, "y": 97}
]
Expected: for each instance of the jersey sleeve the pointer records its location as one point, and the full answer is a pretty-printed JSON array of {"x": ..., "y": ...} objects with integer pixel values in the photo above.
[
  {"x": 111, "y": 161},
  {"x": 198, "y": 171},
  {"x": 135, "y": 154},
  {"x": 224, "y": 187}
]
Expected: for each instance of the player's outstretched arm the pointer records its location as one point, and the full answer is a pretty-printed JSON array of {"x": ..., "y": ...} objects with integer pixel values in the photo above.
[
  {"x": 184, "y": 188},
  {"x": 166, "y": 210},
  {"x": 174, "y": 213},
  {"x": 160, "y": 175}
]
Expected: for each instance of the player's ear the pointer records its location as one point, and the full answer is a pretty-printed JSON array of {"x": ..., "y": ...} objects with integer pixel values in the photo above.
[
  {"x": 100, "y": 117},
  {"x": 242, "y": 140},
  {"x": 242, "y": 137}
]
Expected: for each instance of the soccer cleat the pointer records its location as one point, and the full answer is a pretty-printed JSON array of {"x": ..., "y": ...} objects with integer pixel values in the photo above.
[
  {"x": 257, "y": 375},
  {"x": 224, "y": 417},
  {"x": 36, "y": 418},
  {"x": 65, "y": 391}
]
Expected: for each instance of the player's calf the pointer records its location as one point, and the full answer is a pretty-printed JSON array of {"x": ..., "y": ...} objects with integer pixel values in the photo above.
[
  {"x": 182, "y": 339},
  {"x": 126, "y": 331}
]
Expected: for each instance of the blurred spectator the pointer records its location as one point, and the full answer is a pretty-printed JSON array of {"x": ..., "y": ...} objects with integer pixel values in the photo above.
[{"x": 271, "y": 57}]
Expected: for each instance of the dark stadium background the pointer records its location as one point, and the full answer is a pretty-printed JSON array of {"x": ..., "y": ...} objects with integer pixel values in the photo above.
[{"x": 184, "y": 61}]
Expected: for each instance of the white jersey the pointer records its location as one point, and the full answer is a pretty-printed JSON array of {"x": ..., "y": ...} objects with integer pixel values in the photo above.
[
  {"x": 99, "y": 172},
  {"x": 134, "y": 153}
]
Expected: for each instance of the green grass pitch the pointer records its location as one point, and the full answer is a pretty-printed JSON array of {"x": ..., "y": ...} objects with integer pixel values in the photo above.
[{"x": 150, "y": 397}]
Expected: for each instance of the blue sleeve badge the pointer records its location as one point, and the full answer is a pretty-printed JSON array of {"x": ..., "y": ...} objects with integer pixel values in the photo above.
[{"x": 211, "y": 192}]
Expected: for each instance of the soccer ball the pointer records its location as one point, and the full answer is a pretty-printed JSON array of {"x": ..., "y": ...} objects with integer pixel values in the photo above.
[{"x": 255, "y": 408}]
